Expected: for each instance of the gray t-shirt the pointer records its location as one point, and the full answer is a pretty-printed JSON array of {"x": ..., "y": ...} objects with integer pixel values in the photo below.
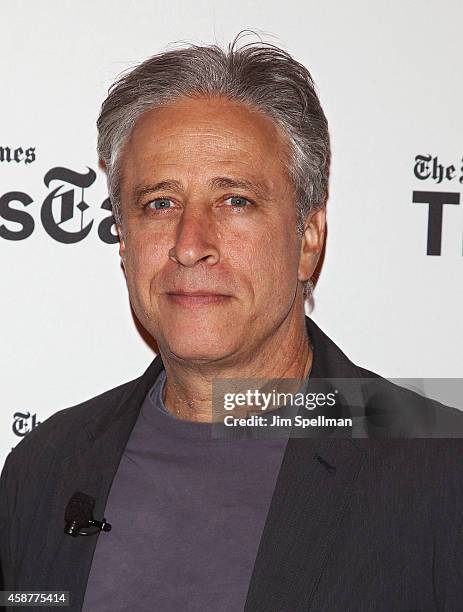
[{"x": 187, "y": 511}]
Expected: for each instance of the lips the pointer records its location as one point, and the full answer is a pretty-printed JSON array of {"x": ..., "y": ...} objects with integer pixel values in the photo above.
[
  {"x": 197, "y": 293},
  {"x": 197, "y": 298}
]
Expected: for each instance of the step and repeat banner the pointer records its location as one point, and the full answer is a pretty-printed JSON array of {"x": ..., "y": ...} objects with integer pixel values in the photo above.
[{"x": 390, "y": 293}]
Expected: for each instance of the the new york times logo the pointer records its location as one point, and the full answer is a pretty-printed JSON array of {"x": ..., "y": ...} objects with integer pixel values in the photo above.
[
  {"x": 17, "y": 155},
  {"x": 23, "y": 423},
  {"x": 429, "y": 168},
  {"x": 64, "y": 213}
]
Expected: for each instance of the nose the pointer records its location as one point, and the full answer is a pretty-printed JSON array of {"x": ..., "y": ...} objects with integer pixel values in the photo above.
[{"x": 195, "y": 240}]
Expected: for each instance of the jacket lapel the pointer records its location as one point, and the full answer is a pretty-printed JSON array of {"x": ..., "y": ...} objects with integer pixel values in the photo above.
[
  {"x": 306, "y": 511},
  {"x": 311, "y": 495}
]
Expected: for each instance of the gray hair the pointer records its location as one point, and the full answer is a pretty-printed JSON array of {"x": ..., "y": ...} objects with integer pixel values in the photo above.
[{"x": 257, "y": 74}]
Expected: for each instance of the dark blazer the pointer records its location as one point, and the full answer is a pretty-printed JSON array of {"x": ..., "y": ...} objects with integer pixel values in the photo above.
[{"x": 355, "y": 523}]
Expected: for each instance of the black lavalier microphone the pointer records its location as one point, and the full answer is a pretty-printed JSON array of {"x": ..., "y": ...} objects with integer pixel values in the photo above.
[{"x": 79, "y": 515}]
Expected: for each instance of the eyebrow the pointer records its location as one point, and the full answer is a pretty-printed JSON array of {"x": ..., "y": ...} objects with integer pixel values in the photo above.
[{"x": 218, "y": 182}]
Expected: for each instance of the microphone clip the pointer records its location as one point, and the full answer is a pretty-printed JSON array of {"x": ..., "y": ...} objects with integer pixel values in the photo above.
[
  {"x": 79, "y": 516},
  {"x": 75, "y": 529}
]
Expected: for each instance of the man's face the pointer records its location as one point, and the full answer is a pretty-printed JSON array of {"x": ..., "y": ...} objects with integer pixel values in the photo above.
[{"x": 207, "y": 207}]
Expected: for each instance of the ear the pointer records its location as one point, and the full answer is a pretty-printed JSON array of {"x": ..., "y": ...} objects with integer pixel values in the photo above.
[
  {"x": 312, "y": 243},
  {"x": 121, "y": 242}
]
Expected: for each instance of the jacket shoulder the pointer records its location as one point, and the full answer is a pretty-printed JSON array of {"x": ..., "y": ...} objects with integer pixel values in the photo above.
[{"x": 395, "y": 411}]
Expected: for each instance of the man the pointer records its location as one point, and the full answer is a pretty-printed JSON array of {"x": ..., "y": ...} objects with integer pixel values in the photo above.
[{"x": 217, "y": 166}]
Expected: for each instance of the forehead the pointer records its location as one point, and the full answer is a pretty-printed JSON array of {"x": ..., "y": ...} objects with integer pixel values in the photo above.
[{"x": 197, "y": 133}]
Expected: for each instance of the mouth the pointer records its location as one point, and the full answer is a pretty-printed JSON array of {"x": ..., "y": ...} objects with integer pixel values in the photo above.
[{"x": 192, "y": 299}]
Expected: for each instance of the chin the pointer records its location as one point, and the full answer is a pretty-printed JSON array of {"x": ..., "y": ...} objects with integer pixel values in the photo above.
[
  {"x": 203, "y": 333},
  {"x": 200, "y": 341}
]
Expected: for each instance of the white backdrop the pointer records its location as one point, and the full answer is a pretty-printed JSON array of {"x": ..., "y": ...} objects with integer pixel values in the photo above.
[{"x": 389, "y": 76}]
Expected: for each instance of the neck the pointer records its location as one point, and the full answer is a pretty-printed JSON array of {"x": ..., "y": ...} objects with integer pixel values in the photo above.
[{"x": 285, "y": 355}]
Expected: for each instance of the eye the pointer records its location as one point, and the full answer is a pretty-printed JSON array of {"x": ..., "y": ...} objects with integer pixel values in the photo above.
[
  {"x": 158, "y": 204},
  {"x": 238, "y": 201}
]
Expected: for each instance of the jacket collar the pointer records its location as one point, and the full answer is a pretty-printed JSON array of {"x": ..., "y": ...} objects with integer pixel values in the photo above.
[{"x": 329, "y": 360}]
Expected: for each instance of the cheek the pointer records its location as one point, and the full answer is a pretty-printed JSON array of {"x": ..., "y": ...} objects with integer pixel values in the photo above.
[
  {"x": 144, "y": 254},
  {"x": 269, "y": 259}
]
